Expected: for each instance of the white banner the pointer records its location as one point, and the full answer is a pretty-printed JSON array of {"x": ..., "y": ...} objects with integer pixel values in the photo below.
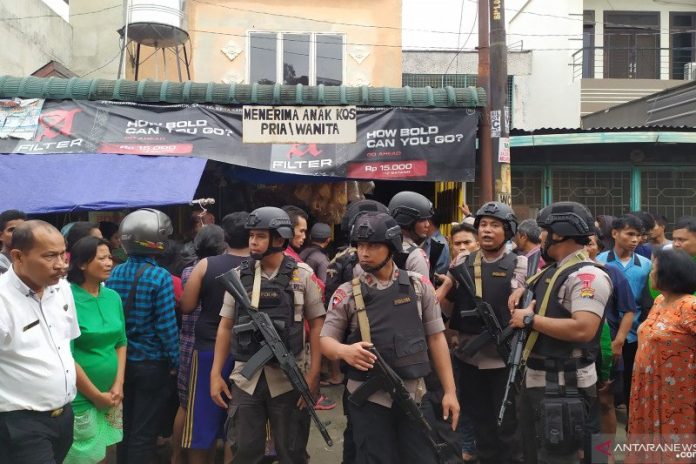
[{"x": 299, "y": 124}]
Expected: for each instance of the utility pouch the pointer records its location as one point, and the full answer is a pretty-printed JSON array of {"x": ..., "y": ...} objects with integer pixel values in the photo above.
[
  {"x": 563, "y": 424},
  {"x": 563, "y": 410}
]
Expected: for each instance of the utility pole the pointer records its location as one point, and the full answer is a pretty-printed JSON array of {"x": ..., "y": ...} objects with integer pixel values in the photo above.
[
  {"x": 486, "y": 191},
  {"x": 498, "y": 104}
]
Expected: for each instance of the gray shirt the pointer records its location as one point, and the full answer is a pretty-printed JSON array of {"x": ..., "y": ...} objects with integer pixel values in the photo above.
[{"x": 316, "y": 258}]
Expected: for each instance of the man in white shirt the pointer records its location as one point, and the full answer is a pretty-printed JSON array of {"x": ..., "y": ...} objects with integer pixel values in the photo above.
[{"x": 37, "y": 370}]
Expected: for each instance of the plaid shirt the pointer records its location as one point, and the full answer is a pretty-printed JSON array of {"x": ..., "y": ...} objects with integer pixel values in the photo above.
[{"x": 151, "y": 323}]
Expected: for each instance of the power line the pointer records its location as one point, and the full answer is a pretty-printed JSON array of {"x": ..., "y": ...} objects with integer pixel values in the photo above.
[
  {"x": 57, "y": 16},
  {"x": 102, "y": 66}
]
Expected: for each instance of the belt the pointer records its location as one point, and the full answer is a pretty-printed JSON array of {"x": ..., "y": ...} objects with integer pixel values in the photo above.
[{"x": 542, "y": 364}]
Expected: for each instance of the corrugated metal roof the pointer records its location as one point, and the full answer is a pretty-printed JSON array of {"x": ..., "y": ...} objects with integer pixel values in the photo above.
[
  {"x": 674, "y": 107},
  {"x": 214, "y": 93},
  {"x": 547, "y": 136}
]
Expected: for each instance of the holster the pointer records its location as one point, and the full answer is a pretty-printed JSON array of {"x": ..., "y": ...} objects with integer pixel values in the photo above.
[{"x": 563, "y": 410}]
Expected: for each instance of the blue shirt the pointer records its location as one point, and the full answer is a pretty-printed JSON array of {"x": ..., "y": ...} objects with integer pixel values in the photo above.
[
  {"x": 621, "y": 300},
  {"x": 636, "y": 272},
  {"x": 151, "y": 323}
]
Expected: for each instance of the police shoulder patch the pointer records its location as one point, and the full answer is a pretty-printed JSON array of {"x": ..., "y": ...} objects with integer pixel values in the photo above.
[
  {"x": 338, "y": 296},
  {"x": 586, "y": 279}
]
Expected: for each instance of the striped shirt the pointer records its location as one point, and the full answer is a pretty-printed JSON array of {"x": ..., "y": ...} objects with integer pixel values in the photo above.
[{"x": 151, "y": 322}]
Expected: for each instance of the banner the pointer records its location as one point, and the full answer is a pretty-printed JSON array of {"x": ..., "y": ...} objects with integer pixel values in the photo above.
[
  {"x": 424, "y": 144},
  {"x": 19, "y": 119}
]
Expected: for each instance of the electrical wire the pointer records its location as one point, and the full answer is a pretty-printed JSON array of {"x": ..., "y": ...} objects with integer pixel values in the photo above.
[{"x": 57, "y": 16}]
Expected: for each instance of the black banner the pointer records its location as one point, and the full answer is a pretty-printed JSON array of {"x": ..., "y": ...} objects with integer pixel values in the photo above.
[{"x": 392, "y": 143}]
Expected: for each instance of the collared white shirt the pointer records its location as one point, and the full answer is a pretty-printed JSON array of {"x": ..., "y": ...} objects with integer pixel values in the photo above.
[{"x": 37, "y": 370}]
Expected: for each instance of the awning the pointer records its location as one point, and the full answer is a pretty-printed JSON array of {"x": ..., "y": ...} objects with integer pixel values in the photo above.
[{"x": 71, "y": 182}]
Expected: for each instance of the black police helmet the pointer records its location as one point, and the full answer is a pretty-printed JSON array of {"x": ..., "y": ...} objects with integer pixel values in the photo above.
[
  {"x": 271, "y": 218},
  {"x": 408, "y": 207},
  {"x": 377, "y": 228},
  {"x": 567, "y": 219},
  {"x": 500, "y": 211},
  {"x": 358, "y": 208}
]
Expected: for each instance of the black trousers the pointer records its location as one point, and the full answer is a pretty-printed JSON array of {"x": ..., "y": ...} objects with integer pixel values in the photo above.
[
  {"x": 386, "y": 436},
  {"x": 145, "y": 396},
  {"x": 248, "y": 415},
  {"x": 480, "y": 396},
  {"x": 32, "y": 437}
]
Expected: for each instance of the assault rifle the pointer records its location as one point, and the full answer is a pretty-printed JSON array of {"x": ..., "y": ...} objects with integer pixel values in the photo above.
[
  {"x": 272, "y": 347},
  {"x": 384, "y": 378},
  {"x": 493, "y": 331},
  {"x": 518, "y": 342}
]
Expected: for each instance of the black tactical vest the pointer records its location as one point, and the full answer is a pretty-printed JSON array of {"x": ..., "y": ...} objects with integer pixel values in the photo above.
[
  {"x": 495, "y": 283},
  {"x": 277, "y": 300},
  {"x": 340, "y": 270},
  {"x": 396, "y": 329},
  {"x": 548, "y": 347},
  {"x": 400, "y": 257}
]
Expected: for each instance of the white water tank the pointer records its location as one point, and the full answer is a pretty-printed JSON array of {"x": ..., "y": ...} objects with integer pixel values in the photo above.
[{"x": 157, "y": 23}]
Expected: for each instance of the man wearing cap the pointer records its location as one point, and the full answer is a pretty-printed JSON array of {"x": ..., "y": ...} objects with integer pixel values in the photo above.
[
  {"x": 37, "y": 370},
  {"x": 315, "y": 254},
  {"x": 287, "y": 292},
  {"x": 400, "y": 316}
]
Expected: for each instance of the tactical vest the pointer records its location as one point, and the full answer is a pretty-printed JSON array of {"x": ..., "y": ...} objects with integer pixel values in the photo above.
[
  {"x": 400, "y": 257},
  {"x": 396, "y": 329},
  {"x": 495, "y": 283},
  {"x": 552, "y": 348},
  {"x": 340, "y": 270},
  {"x": 277, "y": 299}
]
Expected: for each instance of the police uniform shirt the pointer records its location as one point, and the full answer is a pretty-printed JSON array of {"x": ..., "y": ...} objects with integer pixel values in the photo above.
[
  {"x": 417, "y": 260},
  {"x": 342, "y": 319},
  {"x": 587, "y": 289},
  {"x": 37, "y": 370},
  {"x": 308, "y": 302},
  {"x": 487, "y": 357}
]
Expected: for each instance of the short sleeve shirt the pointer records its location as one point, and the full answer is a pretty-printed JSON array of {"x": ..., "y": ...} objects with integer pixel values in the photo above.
[
  {"x": 312, "y": 307},
  {"x": 37, "y": 369},
  {"x": 587, "y": 289},
  {"x": 342, "y": 319},
  {"x": 487, "y": 357},
  {"x": 417, "y": 260}
]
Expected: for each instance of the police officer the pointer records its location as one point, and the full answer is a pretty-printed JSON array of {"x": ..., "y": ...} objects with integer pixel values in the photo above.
[
  {"x": 498, "y": 278},
  {"x": 403, "y": 321},
  {"x": 412, "y": 211},
  {"x": 570, "y": 298},
  {"x": 286, "y": 291},
  {"x": 341, "y": 267}
]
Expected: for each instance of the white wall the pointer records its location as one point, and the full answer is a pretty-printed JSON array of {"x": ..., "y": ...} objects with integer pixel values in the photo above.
[
  {"x": 95, "y": 45},
  {"x": 29, "y": 42},
  {"x": 546, "y": 96}
]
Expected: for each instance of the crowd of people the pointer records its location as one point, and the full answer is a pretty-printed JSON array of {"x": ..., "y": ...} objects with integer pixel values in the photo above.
[{"x": 113, "y": 335}]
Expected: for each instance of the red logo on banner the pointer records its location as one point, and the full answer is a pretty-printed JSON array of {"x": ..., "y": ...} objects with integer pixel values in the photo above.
[
  {"x": 297, "y": 150},
  {"x": 57, "y": 122}
]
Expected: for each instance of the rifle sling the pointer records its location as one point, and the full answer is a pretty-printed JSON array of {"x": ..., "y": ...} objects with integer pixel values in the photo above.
[
  {"x": 532, "y": 338},
  {"x": 363, "y": 321},
  {"x": 256, "y": 288},
  {"x": 477, "y": 275}
]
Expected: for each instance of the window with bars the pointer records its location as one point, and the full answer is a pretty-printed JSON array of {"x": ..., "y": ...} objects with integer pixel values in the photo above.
[
  {"x": 453, "y": 80},
  {"x": 669, "y": 193},
  {"x": 603, "y": 192},
  {"x": 527, "y": 192},
  {"x": 296, "y": 58}
]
